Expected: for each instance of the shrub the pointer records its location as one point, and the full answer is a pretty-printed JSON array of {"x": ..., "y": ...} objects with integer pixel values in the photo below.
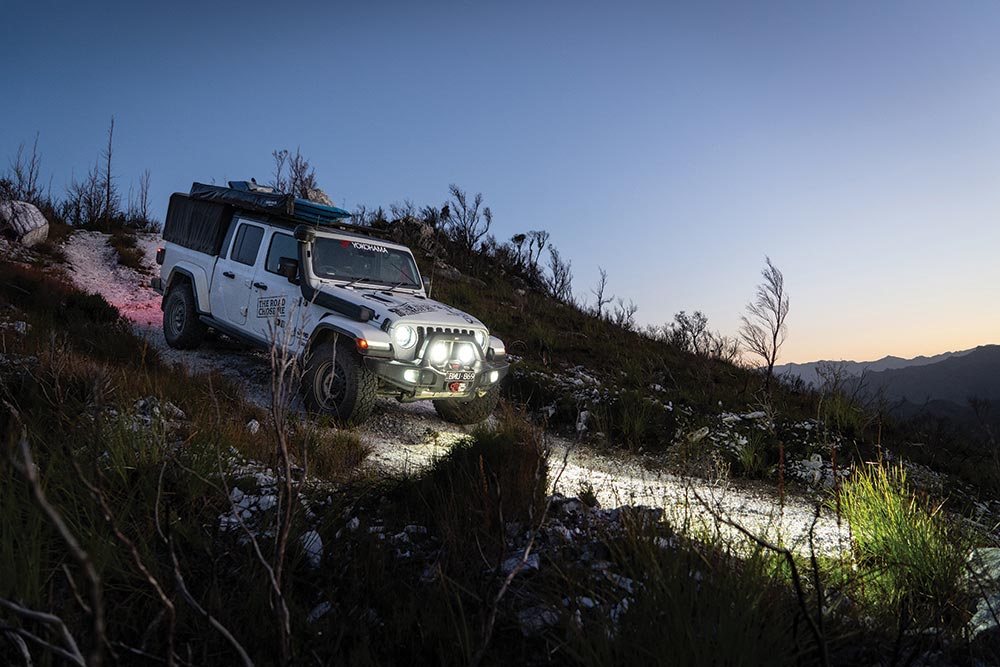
[
  {"x": 493, "y": 477},
  {"x": 697, "y": 604},
  {"x": 634, "y": 422},
  {"x": 330, "y": 453},
  {"x": 129, "y": 255}
]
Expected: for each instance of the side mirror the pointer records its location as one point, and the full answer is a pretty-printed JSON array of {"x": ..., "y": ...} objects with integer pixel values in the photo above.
[
  {"x": 289, "y": 268},
  {"x": 427, "y": 284}
]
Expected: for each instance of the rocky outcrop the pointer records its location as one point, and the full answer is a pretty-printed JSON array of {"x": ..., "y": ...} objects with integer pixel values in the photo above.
[
  {"x": 23, "y": 222},
  {"x": 317, "y": 196}
]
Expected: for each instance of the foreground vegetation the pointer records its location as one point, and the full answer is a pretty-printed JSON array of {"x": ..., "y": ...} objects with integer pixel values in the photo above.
[
  {"x": 151, "y": 515},
  {"x": 144, "y": 520}
]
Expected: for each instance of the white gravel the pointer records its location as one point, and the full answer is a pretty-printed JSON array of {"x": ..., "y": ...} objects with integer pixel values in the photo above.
[{"x": 406, "y": 438}]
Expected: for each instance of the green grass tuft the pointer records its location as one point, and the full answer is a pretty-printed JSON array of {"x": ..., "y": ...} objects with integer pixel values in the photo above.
[{"x": 912, "y": 552}]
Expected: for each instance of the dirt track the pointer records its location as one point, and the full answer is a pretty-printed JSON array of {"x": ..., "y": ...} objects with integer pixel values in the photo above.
[{"x": 408, "y": 437}]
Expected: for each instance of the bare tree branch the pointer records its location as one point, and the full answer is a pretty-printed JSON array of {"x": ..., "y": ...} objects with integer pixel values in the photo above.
[
  {"x": 599, "y": 293},
  {"x": 764, "y": 330},
  {"x": 70, "y": 651}
]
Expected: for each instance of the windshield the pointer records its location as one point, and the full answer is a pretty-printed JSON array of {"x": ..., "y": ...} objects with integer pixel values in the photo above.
[{"x": 362, "y": 261}]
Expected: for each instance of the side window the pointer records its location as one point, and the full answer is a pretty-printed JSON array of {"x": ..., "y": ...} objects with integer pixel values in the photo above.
[
  {"x": 282, "y": 245},
  {"x": 246, "y": 245}
]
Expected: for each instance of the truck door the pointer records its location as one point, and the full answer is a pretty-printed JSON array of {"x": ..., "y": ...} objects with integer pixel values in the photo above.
[
  {"x": 273, "y": 301},
  {"x": 232, "y": 282}
]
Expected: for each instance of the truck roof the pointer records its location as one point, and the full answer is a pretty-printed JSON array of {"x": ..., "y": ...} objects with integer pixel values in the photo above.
[{"x": 199, "y": 219}]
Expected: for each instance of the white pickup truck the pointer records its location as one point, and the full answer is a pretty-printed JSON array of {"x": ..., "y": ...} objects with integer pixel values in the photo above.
[{"x": 273, "y": 270}]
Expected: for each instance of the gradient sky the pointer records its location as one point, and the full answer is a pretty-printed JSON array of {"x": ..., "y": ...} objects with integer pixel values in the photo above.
[{"x": 675, "y": 145}]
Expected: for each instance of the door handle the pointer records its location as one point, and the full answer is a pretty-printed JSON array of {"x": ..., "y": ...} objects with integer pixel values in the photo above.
[
  {"x": 261, "y": 286},
  {"x": 229, "y": 274}
]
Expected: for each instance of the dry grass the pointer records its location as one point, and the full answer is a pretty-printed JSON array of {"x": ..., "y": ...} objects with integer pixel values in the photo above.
[
  {"x": 124, "y": 243},
  {"x": 330, "y": 453}
]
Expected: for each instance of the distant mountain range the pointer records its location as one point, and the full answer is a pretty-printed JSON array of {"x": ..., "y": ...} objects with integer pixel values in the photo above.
[
  {"x": 810, "y": 371},
  {"x": 939, "y": 386},
  {"x": 955, "y": 379}
]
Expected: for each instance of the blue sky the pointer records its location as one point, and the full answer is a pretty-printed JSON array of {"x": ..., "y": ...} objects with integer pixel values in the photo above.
[{"x": 675, "y": 145}]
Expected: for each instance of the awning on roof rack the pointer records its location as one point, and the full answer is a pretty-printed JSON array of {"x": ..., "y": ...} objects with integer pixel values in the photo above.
[
  {"x": 266, "y": 202},
  {"x": 304, "y": 209}
]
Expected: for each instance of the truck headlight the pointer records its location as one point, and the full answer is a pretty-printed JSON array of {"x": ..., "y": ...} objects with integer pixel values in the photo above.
[
  {"x": 405, "y": 336},
  {"x": 481, "y": 339}
]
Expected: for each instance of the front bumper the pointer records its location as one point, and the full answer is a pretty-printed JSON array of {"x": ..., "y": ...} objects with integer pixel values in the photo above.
[{"x": 421, "y": 379}]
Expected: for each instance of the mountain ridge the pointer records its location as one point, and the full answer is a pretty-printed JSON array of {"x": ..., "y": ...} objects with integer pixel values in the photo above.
[{"x": 810, "y": 372}]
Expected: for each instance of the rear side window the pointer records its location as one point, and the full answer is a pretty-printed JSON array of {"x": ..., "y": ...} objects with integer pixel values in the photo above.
[
  {"x": 282, "y": 245},
  {"x": 247, "y": 244}
]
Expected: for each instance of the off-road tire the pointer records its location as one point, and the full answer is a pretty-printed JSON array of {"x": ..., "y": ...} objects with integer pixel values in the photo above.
[
  {"x": 471, "y": 411},
  {"x": 181, "y": 326},
  {"x": 352, "y": 385}
]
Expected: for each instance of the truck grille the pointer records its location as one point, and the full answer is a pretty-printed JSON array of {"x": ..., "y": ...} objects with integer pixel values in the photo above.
[{"x": 426, "y": 331}]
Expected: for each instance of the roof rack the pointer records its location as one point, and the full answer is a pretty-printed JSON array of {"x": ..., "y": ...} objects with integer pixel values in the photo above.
[{"x": 286, "y": 207}]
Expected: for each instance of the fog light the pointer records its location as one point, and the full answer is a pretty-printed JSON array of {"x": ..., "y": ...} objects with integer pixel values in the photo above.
[
  {"x": 494, "y": 376},
  {"x": 439, "y": 353},
  {"x": 412, "y": 376},
  {"x": 466, "y": 354}
]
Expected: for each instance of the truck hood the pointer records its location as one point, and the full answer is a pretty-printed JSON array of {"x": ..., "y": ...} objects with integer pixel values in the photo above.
[{"x": 403, "y": 306}]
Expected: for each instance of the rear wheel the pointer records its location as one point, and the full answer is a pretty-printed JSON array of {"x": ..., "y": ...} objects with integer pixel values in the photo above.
[
  {"x": 181, "y": 326},
  {"x": 470, "y": 411},
  {"x": 337, "y": 382}
]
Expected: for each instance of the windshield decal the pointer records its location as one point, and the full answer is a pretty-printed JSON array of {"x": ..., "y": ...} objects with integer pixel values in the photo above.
[{"x": 369, "y": 247}]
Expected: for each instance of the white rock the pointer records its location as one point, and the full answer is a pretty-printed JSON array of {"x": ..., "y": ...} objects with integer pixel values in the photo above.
[
  {"x": 531, "y": 564},
  {"x": 984, "y": 582},
  {"x": 267, "y": 502},
  {"x": 23, "y": 222},
  {"x": 318, "y": 612},
  {"x": 318, "y": 196},
  {"x": 535, "y": 619},
  {"x": 622, "y": 582},
  {"x": 253, "y": 426},
  {"x": 618, "y": 611},
  {"x": 698, "y": 435},
  {"x": 312, "y": 548}
]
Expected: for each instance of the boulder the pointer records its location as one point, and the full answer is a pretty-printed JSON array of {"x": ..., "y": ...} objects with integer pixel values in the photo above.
[
  {"x": 317, "y": 196},
  {"x": 984, "y": 584},
  {"x": 23, "y": 222}
]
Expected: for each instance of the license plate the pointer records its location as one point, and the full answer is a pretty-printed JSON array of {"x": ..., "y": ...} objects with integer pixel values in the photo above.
[{"x": 463, "y": 376}]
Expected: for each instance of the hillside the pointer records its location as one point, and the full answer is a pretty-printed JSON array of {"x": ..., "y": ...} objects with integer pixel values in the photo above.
[{"x": 612, "y": 511}]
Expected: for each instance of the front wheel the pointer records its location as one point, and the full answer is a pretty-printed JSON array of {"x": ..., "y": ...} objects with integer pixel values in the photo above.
[
  {"x": 470, "y": 411},
  {"x": 181, "y": 326},
  {"x": 336, "y": 381}
]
